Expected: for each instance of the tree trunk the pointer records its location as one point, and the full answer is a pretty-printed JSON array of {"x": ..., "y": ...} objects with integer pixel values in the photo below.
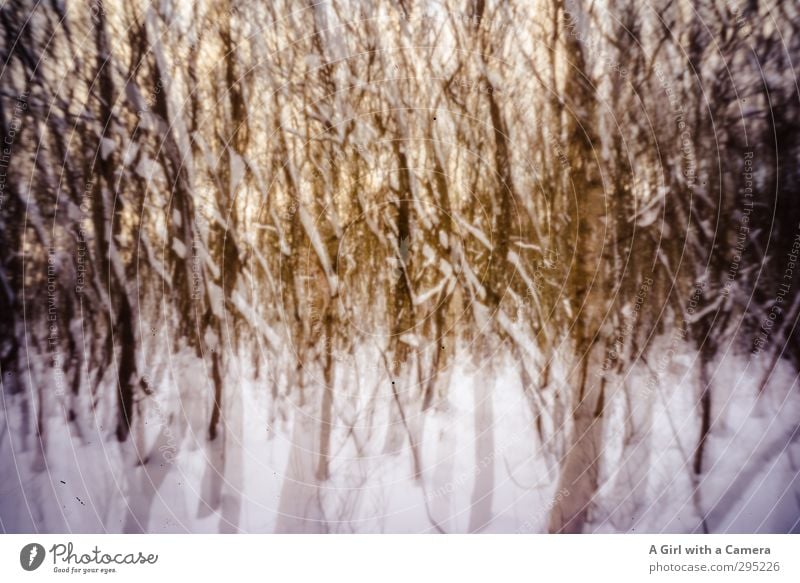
[
  {"x": 481, "y": 503},
  {"x": 300, "y": 508},
  {"x": 580, "y": 465}
]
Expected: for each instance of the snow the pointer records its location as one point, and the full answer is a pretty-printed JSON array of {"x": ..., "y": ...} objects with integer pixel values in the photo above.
[
  {"x": 750, "y": 481},
  {"x": 474, "y": 231},
  {"x": 107, "y": 147},
  {"x": 423, "y": 297},
  {"x": 316, "y": 241}
]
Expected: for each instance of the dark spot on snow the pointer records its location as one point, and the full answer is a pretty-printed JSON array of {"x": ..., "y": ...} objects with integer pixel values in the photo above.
[
  {"x": 81, "y": 501},
  {"x": 62, "y": 481}
]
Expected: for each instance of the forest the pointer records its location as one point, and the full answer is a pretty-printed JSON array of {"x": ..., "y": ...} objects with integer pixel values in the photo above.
[{"x": 338, "y": 266}]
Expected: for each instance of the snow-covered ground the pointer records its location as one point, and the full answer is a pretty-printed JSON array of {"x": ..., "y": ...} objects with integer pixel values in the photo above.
[{"x": 259, "y": 475}]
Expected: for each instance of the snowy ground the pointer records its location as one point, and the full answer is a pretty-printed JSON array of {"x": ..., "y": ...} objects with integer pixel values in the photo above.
[{"x": 84, "y": 481}]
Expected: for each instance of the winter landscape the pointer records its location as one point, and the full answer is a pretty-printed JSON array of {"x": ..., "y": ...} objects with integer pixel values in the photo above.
[{"x": 399, "y": 266}]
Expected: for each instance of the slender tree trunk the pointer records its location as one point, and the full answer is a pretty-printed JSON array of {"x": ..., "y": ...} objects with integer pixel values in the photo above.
[
  {"x": 300, "y": 507},
  {"x": 481, "y": 502},
  {"x": 443, "y": 485},
  {"x": 233, "y": 426},
  {"x": 580, "y": 466},
  {"x": 326, "y": 421},
  {"x": 143, "y": 489},
  {"x": 587, "y": 290},
  {"x": 634, "y": 475}
]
